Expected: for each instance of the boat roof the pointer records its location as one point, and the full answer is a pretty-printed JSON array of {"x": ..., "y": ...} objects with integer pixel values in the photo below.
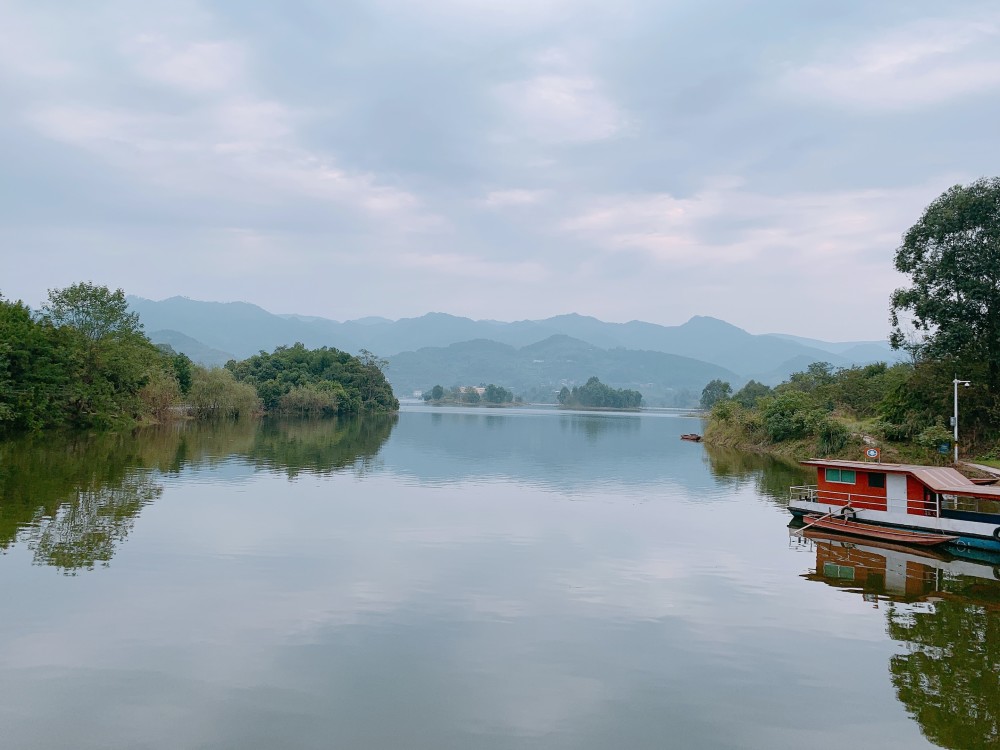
[{"x": 937, "y": 478}]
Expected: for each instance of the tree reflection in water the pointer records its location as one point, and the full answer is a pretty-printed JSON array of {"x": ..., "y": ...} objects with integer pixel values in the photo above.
[
  {"x": 946, "y": 614},
  {"x": 770, "y": 476},
  {"x": 73, "y": 499},
  {"x": 949, "y": 677}
]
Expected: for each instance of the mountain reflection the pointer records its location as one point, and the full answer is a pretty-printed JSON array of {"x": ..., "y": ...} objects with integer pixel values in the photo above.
[
  {"x": 72, "y": 499},
  {"x": 946, "y": 613}
]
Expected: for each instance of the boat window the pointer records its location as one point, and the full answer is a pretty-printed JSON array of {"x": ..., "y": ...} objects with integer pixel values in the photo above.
[
  {"x": 843, "y": 572},
  {"x": 843, "y": 476},
  {"x": 876, "y": 480}
]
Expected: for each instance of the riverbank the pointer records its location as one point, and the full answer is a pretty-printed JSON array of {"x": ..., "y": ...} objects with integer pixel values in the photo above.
[{"x": 736, "y": 436}]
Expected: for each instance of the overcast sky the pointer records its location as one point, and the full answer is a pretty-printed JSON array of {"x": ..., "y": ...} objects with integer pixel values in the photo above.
[{"x": 506, "y": 159}]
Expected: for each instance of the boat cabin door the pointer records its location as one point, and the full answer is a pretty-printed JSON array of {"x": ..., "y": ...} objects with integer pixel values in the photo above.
[{"x": 895, "y": 488}]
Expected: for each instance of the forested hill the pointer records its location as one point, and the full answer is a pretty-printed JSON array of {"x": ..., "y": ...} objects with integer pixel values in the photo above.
[
  {"x": 540, "y": 370},
  {"x": 244, "y": 329}
]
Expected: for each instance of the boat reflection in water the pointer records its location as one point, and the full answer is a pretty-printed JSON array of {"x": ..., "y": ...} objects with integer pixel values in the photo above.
[{"x": 945, "y": 613}]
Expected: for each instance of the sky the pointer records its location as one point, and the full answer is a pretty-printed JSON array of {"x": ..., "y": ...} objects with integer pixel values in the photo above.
[{"x": 653, "y": 160}]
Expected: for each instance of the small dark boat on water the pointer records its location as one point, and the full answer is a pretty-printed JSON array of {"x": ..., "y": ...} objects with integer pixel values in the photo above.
[
  {"x": 846, "y": 526},
  {"x": 694, "y": 437}
]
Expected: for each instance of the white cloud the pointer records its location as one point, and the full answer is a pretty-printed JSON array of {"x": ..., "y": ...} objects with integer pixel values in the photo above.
[
  {"x": 921, "y": 64},
  {"x": 468, "y": 266},
  {"x": 514, "y": 197},
  {"x": 728, "y": 223},
  {"x": 557, "y": 108},
  {"x": 198, "y": 67},
  {"x": 229, "y": 143}
]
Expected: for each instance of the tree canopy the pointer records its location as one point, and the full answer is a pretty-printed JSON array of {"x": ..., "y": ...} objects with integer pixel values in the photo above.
[
  {"x": 717, "y": 390},
  {"x": 595, "y": 394},
  {"x": 952, "y": 256},
  {"x": 95, "y": 311},
  {"x": 360, "y": 383}
]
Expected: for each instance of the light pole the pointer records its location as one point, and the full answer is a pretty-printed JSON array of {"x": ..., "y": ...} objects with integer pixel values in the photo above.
[{"x": 955, "y": 383}]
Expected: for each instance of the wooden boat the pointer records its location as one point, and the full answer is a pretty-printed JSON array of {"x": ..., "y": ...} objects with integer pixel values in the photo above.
[
  {"x": 825, "y": 535},
  {"x": 691, "y": 436},
  {"x": 871, "y": 531},
  {"x": 909, "y": 497}
]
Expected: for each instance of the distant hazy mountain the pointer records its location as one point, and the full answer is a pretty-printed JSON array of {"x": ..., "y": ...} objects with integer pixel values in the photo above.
[
  {"x": 540, "y": 369},
  {"x": 197, "y": 351},
  {"x": 245, "y": 329},
  {"x": 873, "y": 350}
]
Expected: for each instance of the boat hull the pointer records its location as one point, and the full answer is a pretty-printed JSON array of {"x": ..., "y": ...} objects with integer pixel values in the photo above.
[
  {"x": 970, "y": 535},
  {"x": 881, "y": 533}
]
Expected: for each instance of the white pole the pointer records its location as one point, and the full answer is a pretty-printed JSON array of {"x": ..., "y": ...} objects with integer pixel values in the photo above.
[{"x": 955, "y": 383}]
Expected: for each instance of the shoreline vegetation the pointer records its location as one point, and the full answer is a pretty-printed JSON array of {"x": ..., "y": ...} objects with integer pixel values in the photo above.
[
  {"x": 947, "y": 320},
  {"x": 84, "y": 362},
  {"x": 838, "y": 413}
]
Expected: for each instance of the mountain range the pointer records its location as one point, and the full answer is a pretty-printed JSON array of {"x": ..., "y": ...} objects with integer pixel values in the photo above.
[{"x": 521, "y": 355}]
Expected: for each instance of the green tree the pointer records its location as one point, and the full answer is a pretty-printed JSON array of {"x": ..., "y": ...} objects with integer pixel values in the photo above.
[
  {"x": 716, "y": 390},
  {"x": 496, "y": 394},
  {"x": 790, "y": 415},
  {"x": 437, "y": 393},
  {"x": 95, "y": 311},
  {"x": 216, "y": 393},
  {"x": 952, "y": 256},
  {"x": 751, "y": 393},
  {"x": 274, "y": 375}
]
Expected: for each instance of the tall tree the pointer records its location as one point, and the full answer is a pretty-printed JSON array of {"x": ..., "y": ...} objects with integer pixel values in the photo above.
[
  {"x": 95, "y": 311},
  {"x": 952, "y": 256},
  {"x": 716, "y": 390}
]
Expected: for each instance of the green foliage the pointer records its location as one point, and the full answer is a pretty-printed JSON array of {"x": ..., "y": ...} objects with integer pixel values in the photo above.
[
  {"x": 933, "y": 437},
  {"x": 36, "y": 366},
  {"x": 595, "y": 394},
  {"x": 83, "y": 363},
  {"x": 361, "y": 380},
  {"x": 496, "y": 394},
  {"x": 717, "y": 390},
  {"x": 215, "y": 393},
  {"x": 95, "y": 311},
  {"x": 183, "y": 371},
  {"x": 313, "y": 400},
  {"x": 750, "y": 394},
  {"x": 832, "y": 436},
  {"x": 790, "y": 415},
  {"x": 437, "y": 393},
  {"x": 814, "y": 378},
  {"x": 952, "y": 256},
  {"x": 160, "y": 394}
]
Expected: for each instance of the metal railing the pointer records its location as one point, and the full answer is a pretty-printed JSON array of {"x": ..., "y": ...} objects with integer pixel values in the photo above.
[{"x": 811, "y": 493}]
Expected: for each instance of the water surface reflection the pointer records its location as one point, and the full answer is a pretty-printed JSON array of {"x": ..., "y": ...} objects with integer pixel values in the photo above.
[
  {"x": 945, "y": 612},
  {"x": 73, "y": 498}
]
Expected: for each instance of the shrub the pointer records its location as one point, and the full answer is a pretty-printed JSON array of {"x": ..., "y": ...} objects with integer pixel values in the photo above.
[
  {"x": 216, "y": 393},
  {"x": 833, "y": 436},
  {"x": 791, "y": 415}
]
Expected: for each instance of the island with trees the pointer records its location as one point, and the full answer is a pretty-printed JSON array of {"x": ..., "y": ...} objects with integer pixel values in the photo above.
[
  {"x": 83, "y": 361},
  {"x": 468, "y": 395},
  {"x": 947, "y": 320},
  {"x": 596, "y": 395}
]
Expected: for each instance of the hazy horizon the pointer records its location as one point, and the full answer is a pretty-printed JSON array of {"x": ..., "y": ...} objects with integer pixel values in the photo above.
[{"x": 755, "y": 163}]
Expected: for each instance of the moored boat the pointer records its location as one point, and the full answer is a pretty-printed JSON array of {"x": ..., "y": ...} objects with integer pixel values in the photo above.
[
  {"x": 691, "y": 436},
  {"x": 841, "y": 525},
  {"x": 909, "y": 497}
]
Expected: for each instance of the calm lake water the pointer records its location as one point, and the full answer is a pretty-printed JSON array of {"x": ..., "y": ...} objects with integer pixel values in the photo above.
[{"x": 452, "y": 578}]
